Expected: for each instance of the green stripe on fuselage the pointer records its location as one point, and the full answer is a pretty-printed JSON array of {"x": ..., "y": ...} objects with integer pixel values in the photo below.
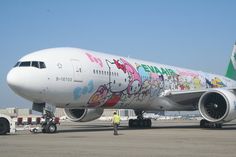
[{"x": 160, "y": 71}]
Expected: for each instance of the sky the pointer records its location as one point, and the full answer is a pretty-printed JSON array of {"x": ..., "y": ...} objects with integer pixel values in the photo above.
[{"x": 193, "y": 34}]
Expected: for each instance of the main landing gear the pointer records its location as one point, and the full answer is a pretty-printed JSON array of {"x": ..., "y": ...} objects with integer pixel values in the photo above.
[
  {"x": 49, "y": 126},
  {"x": 206, "y": 124},
  {"x": 140, "y": 122}
]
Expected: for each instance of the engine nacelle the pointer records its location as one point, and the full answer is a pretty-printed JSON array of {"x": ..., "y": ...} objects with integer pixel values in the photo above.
[
  {"x": 83, "y": 115},
  {"x": 218, "y": 105}
]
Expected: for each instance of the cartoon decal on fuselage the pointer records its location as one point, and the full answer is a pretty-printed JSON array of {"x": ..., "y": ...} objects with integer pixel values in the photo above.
[
  {"x": 124, "y": 81},
  {"x": 143, "y": 83},
  {"x": 99, "y": 97},
  {"x": 214, "y": 83},
  {"x": 188, "y": 80},
  {"x": 152, "y": 83}
]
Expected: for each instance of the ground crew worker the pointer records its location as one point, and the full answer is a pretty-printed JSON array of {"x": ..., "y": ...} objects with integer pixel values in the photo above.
[{"x": 116, "y": 122}]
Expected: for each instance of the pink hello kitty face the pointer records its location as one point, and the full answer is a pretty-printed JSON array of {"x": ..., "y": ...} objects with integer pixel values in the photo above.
[
  {"x": 134, "y": 77},
  {"x": 118, "y": 83}
]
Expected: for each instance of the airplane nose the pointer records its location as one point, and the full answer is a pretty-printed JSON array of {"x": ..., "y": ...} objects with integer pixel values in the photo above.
[
  {"x": 22, "y": 82},
  {"x": 18, "y": 81},
  {"x": 12, "y": 80}
]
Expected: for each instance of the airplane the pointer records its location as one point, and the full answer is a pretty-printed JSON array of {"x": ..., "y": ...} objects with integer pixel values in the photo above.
[{"x": 85, "y": 82}]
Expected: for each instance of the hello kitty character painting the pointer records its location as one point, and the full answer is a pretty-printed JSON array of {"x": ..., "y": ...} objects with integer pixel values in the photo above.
[
  {"x": 124, "y": 81},
  {"x": 135, "y": 81},
  {"x": 118, "y": 76}
]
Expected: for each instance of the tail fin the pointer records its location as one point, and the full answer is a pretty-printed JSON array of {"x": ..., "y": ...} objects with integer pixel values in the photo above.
[{"x": 231, "y": 71}]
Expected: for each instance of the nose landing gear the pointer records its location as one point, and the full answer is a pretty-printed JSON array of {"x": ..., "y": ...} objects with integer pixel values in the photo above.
[{"x": 49, "y": 126}]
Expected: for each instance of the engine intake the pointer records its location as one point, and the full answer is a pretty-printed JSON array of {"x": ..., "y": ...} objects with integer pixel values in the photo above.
[
  {"x": 218, "y": 105},
  {"x": 83, "y": 115}
]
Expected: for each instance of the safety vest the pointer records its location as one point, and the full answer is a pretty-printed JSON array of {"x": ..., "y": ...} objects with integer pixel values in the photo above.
[{"x": 116, "y": 119}]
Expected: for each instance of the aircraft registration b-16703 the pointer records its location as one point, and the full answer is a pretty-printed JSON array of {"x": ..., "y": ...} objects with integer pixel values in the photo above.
[{"x": 85, "y": 82}]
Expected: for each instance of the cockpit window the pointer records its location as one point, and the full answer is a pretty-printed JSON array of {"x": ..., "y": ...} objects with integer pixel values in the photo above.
[
  {"x": 36, "y": 64},
  {"x": 42, "y": 65},
  {"x": 25, "y": 64},
  {"x": 17, "y": 64}
]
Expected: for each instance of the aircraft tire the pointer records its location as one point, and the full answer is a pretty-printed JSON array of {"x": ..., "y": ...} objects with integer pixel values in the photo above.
[
  {"x": 203, "y": 123},
  {"x": 51, "y": 128},
  {"x": 149, "y": 121},
  {"x": 131, "y": 123},
  {"x": 44, "y": 128},
  {"x": 218, "y": 125},
  {"x": 140, "y": 123}
]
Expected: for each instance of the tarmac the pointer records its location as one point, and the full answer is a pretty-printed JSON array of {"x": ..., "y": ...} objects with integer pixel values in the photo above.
[{"x": 165, "y": 139}]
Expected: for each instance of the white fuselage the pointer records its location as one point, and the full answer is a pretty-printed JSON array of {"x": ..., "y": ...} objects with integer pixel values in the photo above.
[{"x": 77, "y": 78}]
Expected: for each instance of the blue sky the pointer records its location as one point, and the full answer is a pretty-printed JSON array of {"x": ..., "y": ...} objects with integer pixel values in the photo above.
[{"x": 193, "y": 34}]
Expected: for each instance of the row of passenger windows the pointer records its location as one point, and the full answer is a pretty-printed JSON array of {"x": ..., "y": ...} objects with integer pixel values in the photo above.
[
  {"x": 36, "y": 64},
  {"x": 101, "y": 72}
]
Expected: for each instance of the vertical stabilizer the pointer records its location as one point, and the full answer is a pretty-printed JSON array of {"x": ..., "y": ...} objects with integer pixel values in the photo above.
[{"x": 231, "y": 71}]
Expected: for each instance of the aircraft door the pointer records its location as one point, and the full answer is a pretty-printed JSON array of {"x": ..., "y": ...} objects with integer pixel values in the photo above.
[{"x": 77, "y": 70}]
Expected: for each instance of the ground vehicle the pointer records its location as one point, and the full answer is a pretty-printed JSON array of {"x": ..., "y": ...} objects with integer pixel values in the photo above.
[
  {"x": 7, "y": 125},
  {"x": 10, "y": 124}
]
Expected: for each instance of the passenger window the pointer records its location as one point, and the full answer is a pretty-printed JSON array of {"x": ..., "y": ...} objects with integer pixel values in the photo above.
[
  {"x": 24, "y": 64},
  {"x": 42, "y": 65},
  {"x": 17, "y": 64},
  {"x": 35, "y": 64}
]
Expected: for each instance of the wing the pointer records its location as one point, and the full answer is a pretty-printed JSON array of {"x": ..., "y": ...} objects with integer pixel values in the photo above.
[{"x": 190, "y": 97}]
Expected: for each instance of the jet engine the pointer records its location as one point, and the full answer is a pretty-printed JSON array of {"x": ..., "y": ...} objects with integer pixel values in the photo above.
[
  {"x": 218, "y": 105},
  {"x": 83, "y": 115}
]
